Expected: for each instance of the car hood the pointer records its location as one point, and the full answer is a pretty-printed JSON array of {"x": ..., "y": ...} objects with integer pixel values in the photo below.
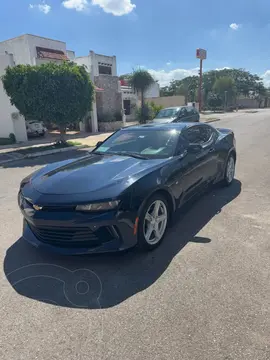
[
  {"x": 163, "y": 120},
  {"x": 93, "y": 173}
]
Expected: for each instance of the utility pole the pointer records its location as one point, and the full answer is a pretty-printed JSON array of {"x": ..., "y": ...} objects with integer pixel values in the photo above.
[
  {"x": 200, "y": 86},
  {"x": 225, "y": 101},
  {"x": 200, "y": 54}
]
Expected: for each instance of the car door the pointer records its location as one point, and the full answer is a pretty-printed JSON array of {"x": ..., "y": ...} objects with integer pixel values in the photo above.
[
  {"x": 180, "y": 170},
  {"x": 189, "y": 114},
  {"x": 209, "y": 137},
  {"x": 194, "y": 115},
  {"x": 201, "y": 165}
]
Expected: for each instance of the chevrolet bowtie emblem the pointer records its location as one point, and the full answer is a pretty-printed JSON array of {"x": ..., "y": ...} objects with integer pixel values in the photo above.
[{"x": 36, "y": 207}]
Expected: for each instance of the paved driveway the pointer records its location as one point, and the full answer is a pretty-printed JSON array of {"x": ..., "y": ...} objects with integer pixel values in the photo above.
[{"x": 204, "y": 294}]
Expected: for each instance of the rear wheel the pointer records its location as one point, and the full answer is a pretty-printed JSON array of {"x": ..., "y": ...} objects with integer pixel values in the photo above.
[
  {"x": 229, "y": 171},
  {"x": 153, "y": 223}
]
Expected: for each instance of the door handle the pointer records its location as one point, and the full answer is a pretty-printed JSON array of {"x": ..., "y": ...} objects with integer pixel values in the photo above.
[{"x": 211, "y": 150}]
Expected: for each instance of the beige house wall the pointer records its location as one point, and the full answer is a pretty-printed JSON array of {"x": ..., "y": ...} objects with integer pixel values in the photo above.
[
  {"x": 109, "y": 101},
  {"x": 168, "y": 101}
]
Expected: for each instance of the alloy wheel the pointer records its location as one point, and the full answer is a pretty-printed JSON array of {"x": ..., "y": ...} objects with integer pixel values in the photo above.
[
  {"x": 230, "y": 170},
  {"x": 155, "y": 222}
]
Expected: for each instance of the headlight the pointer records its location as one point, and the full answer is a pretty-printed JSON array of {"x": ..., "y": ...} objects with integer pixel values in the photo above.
[{"x": 110, "y": 205}]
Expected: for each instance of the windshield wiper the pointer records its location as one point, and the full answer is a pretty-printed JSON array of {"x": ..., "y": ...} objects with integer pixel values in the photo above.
[
  {"x": 122, "y": 153},
  {"x": 134, "y": 155}
]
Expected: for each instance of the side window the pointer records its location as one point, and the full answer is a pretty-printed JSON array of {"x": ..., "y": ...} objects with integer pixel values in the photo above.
[
  {"x": 183, "y": 113},
  {"x": 193, "y": 135},
  {"x": 189, "y": 111},
  {"x": 206, "y": 133},
  {"x": 199, "y": 134}
]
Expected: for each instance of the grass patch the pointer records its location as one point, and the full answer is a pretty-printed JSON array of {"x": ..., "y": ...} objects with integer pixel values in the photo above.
[{"x": 74, "y": 143}]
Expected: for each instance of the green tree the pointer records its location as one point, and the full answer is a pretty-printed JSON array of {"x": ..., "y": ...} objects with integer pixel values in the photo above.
[
  {"x": 141, "y": 80},
  {"x": 214, "y": 101},
  {"x": 60, "y": 94},
  {"x": 246, "y": 84},
  {"x": 187, "y": 87},
  {"x": 224, "y": 87}
]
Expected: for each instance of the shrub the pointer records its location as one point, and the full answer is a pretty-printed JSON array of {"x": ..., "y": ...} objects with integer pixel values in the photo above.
[
  {"x": 8, "y": 141},
  {"x": 12, "y": 138},
  {"x": 109, "y": 117}
]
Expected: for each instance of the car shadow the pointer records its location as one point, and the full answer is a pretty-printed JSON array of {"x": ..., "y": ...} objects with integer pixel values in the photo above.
[{"x": 103, "y": 281}]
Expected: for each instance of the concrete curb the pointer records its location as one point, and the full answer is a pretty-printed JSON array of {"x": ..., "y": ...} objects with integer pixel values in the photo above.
[
  {"x": 42, "y": 153},
  {"x": 210, "y": 121}
]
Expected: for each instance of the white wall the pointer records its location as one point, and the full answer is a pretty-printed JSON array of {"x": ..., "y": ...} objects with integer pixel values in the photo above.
[
  {"x": 19, "y": 48},
  {"x": 153, "y": 91},
  {"x": 34, "y": 41},
  {"x": 23, "y": 47},
  {"x": 6, "y": 109},
  {"x": 71, "y": 55},
  {"x": 96, "y": 58},
  {"x": 84, "y": 60}
]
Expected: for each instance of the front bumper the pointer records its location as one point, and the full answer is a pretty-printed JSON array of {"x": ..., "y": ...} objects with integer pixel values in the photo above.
[{"x": 75, "y": 233}]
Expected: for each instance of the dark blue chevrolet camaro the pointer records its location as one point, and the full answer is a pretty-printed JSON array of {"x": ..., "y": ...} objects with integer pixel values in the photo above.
[{"x": 123, "y": 193}]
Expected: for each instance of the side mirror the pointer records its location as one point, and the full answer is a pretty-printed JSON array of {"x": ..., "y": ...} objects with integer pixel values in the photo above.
[
  {"x": 99, "y": 143},
  {"x": 194, "y": 148}
]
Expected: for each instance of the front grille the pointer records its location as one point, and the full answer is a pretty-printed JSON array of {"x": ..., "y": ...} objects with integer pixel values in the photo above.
[{"x": 72, "y": 237}]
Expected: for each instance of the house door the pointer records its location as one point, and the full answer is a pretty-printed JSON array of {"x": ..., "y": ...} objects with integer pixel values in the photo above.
[{"x": 127, "y": 107}]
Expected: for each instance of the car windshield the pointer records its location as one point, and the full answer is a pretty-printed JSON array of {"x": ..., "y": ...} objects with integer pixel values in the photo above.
[
  {"x": 166, "y": 113},
  {"x": 145, "y": 144}
]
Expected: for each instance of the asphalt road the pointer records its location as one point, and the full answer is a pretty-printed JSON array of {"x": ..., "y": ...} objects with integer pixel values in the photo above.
[{"x": 203, "y": 295}]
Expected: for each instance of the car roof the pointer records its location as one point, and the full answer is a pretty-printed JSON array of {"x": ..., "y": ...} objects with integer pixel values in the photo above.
[
  {"x": 172, "y": 108},
  {"x": 165, "y": 126}
]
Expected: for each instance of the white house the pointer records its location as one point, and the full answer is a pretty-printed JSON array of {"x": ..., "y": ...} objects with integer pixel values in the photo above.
[
  {"x": 131, "y": 98},
  {"x": 36, "y": 50},
  {"x": 103, "y": 73},
  {"x": 10, "y": 120},
  {"x": 153, "y": 91},
  {"x": 25, "y": 49}
]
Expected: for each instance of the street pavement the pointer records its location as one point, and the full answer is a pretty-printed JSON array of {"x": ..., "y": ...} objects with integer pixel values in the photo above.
[{"x": 203, "y": 295}]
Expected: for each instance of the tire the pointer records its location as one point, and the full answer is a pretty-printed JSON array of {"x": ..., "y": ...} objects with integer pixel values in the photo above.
[
  {"x": 229, "y": 171},
  {"x": 149, "y": 215}
]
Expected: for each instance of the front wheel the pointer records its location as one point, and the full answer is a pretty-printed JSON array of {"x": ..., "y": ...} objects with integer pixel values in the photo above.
[
  {"x": 153, "y": 223},
  {"x": 229, "y": 171}
]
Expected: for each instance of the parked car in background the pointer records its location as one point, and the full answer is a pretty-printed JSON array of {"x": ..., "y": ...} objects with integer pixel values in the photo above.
[
  {"x": 35, "y": 128},
  {"x": 177, "y": 114},
  {"x": 124, "y": 192}
]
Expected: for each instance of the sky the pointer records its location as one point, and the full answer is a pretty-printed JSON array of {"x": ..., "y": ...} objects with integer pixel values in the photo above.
[{"x": 161, "y": 36}]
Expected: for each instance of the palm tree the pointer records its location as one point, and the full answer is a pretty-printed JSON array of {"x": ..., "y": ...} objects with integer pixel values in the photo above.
[{"x": 141, "y": 80}]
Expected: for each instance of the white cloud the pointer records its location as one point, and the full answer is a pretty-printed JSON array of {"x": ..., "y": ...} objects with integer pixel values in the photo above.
[
  {"x": 223, "y": 68},
  {"x": 78, "y": 5},
  {"x": 115, "y": 7},
  {"x": 235, "y": 26},
  {"x": 266, "y": 78},
  {"x": 165, "y": 77},
  {"x": 168, "y": 63},
  {"x": 43, "y": 7}
]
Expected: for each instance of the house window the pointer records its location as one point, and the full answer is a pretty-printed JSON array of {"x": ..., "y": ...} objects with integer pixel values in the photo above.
[
  {"x": 127, "y": 107},
  {"x": 104, "y": 70},
  {"x": 51, "y": 54}
]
